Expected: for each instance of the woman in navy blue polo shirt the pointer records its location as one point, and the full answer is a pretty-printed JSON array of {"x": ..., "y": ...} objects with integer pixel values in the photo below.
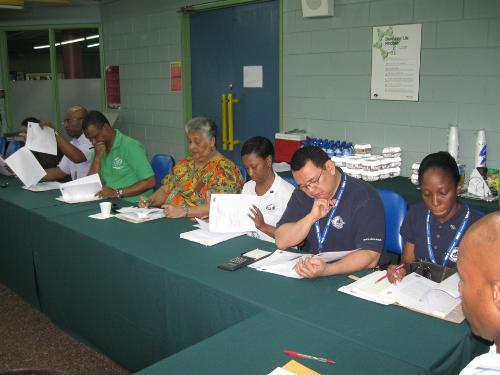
[{"x": 432, "y": 229}]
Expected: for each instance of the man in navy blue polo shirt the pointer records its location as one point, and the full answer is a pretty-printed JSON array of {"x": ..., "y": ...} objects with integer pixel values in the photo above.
[{"x": 334, "y": 212}]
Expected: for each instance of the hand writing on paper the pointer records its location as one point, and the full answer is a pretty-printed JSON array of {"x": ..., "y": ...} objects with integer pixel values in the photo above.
[
  {"x": 144, "y": 202},
  {"x": 395, "y": 274},
  {"x": 310, "y": 267},
  {"x": 257, "y": 217}
]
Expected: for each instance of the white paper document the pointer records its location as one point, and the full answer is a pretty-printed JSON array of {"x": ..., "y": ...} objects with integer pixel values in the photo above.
[
  {"x": 414, "y": 292},
  {"x": 229, "y": 212},
  {"x": 44, "y": 186},
  {"x": 208, "y": 238},
  {"x": 283, "y": 262},
  {"x": 140, "y": 215},
  {"x": 3, "y": 168},
  {"x": 81, "y": 190},
  {"x": 24, "y": 164},
  {"x": 41, "y": 139}
]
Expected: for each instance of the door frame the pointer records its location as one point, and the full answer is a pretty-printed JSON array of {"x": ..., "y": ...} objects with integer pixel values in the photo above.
[{"x": 186, "y": 52}]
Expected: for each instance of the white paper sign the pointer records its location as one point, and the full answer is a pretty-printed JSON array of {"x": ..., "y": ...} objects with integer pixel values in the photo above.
[
  {"x": 25, "y": 166},
  {"x": 252, "y": 76},
  {"x": 229, "y": 212},
  {"x": 41, "y": 139},
  {"x": 396, "y": 62}
]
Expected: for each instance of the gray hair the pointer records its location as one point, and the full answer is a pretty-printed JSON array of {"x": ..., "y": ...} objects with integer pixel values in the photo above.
[{"x": 204, "y": 125}]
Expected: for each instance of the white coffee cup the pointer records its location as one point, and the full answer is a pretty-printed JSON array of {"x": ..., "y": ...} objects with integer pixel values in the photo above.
[{"x": 105, "y": 208}]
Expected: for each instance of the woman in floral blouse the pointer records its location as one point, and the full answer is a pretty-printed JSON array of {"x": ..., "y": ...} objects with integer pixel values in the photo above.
[{"x": 186, "y": 190}]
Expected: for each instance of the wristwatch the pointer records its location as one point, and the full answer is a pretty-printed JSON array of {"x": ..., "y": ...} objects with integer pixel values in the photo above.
[
  {"x": 56, "y": 132},
  {"x": 119, "y": 193}
]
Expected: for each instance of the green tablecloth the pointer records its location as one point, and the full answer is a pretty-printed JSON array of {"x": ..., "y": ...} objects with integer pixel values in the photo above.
[{"x": 139, "y": 293}]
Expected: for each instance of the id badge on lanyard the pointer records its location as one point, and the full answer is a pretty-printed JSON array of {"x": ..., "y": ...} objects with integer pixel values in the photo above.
[{"x": 321, "y": 236}]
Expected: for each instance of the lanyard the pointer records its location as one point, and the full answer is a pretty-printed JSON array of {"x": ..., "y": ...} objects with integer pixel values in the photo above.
[
  {"x": 453, "y": 244},
  {"x": 321, "y": 236}
]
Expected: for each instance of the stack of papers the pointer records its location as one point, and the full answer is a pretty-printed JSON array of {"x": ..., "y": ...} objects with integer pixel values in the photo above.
[
  {"x": 204, "y": 236},
  {"x": 81, "y": 190},
  {"x": 283, "y": 262},
  {"x": 140, "y": 215},
  {"x": 41, "y": 139},
  {"x": 44, "y": 186},
  {"x": 24, "y": 164},
  {"x": 229, "y": 212},
  {"x": 414, "y": 292}
]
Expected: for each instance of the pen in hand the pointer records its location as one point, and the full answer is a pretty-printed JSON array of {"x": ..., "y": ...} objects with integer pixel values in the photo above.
[{"x": 387, "y": 273}]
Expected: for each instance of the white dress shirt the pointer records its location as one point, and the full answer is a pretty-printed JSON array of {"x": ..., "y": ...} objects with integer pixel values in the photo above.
[
  {"x": 484, "y": 364},
  {"x": 81, "y": 169},
  {"x": 272, "y": 204}
]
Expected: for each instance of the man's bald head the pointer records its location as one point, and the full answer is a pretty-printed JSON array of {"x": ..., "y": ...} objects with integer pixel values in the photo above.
[
  {"x": 479, "y": 269},
  {"x": 73, "y": 120}
]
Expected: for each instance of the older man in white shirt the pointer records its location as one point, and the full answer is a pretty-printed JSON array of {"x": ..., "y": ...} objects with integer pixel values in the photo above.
[
  {"x": 75, "y": 162},
  {"x": 479, "y": 269}
]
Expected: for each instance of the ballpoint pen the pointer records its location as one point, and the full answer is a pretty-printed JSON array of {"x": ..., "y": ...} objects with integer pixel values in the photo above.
[
  {"x": 306, "y": 356},
  {"x": 386, "y": 273}
]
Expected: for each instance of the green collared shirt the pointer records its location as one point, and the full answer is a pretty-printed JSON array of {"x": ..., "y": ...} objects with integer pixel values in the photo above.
[{"x": 125, "y": 165}]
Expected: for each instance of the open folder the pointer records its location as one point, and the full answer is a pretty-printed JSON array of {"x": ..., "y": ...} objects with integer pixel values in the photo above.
[
  {"x": 204, "y": 236},
  {"x": 283, "y": 262},
  {"x": 81, "y": 190},
  {"x": 415, "y": 292},
  {"x": 139, "y": 215}
]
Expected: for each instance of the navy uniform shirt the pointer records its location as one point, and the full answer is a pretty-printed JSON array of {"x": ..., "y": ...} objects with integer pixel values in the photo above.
[
  {"x": 414, "y": 231},
  {"x": 358, "y": 223}
]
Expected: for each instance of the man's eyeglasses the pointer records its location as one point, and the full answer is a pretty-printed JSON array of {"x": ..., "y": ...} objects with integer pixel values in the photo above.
[
  {"x": 71, "y": 120},
  {"x": 312, "y": 182}
]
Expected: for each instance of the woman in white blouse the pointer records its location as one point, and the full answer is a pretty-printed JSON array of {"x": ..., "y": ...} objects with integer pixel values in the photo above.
[{"x": 257, "y": 156}]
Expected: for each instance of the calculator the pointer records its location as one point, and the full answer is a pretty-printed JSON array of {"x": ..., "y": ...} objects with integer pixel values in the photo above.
[{"x": 236, "y": 263}]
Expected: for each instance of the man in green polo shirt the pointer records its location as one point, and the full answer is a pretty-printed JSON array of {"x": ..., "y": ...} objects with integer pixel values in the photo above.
[{"x": 120, "y": 161}]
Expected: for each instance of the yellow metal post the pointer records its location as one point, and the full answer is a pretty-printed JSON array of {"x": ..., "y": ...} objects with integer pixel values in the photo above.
[
  {"x": 224, "y": 122},
  {"x": 231, "y": 141}
]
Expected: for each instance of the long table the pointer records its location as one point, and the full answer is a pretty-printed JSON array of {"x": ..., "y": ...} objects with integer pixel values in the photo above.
[{"x": 145, "y": 297}]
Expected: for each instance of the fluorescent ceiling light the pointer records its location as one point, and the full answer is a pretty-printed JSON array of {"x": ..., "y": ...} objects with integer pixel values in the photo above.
[
  {"x": 92, "y": 37},
  {"x": 72, "y": 41},
  {"x": 92, "y": 45},
  {"x": 45, "y": 46}
]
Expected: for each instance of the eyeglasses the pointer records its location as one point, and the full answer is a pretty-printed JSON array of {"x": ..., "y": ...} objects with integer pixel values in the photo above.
[
  {"x": 312, "y": 182},
  {"x": 72, "y": 120}
]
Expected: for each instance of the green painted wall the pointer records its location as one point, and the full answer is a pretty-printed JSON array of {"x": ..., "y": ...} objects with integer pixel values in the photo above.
[{"x": 326, "y": 75}]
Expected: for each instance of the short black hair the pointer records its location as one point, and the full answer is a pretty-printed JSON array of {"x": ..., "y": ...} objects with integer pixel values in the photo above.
[
  {"x": 261, "y": 146},
  {"x": 308, "y": 153},
  {"x": 439, "y": 160},
  {"x": 95, "y": 118},
  {"x": 29, "y": 119}
]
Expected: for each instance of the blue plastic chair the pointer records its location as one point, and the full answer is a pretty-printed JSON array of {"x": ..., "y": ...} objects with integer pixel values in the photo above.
[
  {"x": 290, "y": 180},
  {"x": 12, "y": 147},
  {"x": 243, "y": 172},
  {"x": 395, "y": 208},
  {"x": 162, "y": 164},
  {"x": 3, "y": 143}
]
